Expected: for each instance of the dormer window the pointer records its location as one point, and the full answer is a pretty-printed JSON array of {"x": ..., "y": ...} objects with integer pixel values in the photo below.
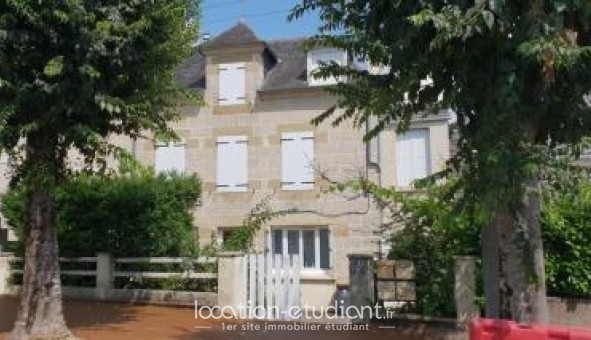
[
  {"x": 232, "y": 84},
  {"x": 317, "y": 57},
  {"x": 364, "y": 64}
]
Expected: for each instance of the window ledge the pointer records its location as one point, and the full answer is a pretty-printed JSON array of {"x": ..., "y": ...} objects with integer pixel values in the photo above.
[
  {"x": 232, "y": 109},
  {"x": 248, "y": 190},
  {"x": 232, "y": 196},
  {"x": 298, "y": 194},
  {"x": 316, "y": 276}
]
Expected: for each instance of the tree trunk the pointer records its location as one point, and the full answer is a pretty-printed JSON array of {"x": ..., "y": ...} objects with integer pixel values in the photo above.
[
  {"x": 523, "y": 280},
  {"x": 40, "y": 314}
]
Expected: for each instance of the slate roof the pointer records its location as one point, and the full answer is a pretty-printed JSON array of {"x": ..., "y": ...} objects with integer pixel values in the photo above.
[
  {"x": 191, "y": 73},
  {"x": 240, "y": 34},
  {"x": 288, "y": 70}
]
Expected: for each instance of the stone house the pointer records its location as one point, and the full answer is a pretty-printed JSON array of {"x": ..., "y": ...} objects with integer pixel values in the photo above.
[{"x": 253, "y": 139}]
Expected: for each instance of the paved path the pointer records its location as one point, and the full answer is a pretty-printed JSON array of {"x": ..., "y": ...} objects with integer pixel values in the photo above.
[{"x": 113, "y": 321}]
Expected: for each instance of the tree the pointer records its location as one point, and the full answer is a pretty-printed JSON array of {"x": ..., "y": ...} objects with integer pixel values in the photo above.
[
  {"x": 73, "y": 73},
  {"x": 516, "y": 74}
]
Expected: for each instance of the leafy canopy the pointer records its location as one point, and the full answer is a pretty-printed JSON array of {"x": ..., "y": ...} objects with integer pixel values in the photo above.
[
  {"x": 77, "y": 71},
  {"x": 515, "y": 72}
]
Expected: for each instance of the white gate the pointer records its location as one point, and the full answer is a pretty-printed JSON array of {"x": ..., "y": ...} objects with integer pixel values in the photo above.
[{"x": 273, "y": 285}]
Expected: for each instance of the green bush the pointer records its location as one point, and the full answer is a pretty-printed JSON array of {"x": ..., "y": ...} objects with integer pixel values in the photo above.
[
  {"x": 131, "y": 215},
  {"x": 434, "y": 233},
  {"x": 566, "y": 228}
]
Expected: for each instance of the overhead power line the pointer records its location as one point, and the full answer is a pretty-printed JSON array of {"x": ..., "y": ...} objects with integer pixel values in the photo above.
[
  {"x": 220, "y": 4},
  {"x": 248, "y": 16}
]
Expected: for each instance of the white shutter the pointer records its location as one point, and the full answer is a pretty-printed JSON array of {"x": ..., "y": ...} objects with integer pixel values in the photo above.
[
  {"x": 170, "y": 157},
  {"x": 297, "y": 161},
  {"x": 413, "y": 156},
  {"x": 232, "y": 84},
  {"x": 232, "y": 163}
]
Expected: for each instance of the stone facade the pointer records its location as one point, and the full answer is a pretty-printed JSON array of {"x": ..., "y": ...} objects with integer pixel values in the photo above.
[{"x": 340, "y": 152}]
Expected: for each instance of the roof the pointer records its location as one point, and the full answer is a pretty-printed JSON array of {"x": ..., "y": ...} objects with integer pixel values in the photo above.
[
  {"x": 240, "y": 34},
  {"x": 287, "y": 71},
  {"x": 191, "y": 73},
  {"x": 290, "y": 70}
]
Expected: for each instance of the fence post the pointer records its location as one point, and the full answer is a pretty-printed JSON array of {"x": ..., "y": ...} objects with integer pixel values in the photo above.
[
  {"x": 5, "y": 273},
  {"x": 465, "y": 289},
  {"x": 232, "y": 280},
  {"x": 105, "y": 266},
  {"x": 361, "y": 282}
]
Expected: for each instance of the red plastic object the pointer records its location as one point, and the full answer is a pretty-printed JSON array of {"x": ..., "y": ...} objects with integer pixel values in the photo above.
[{"x": 487, "y": 329}]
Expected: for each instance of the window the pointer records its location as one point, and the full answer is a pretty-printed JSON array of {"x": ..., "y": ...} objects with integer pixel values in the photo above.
[
  {"x": 413, "y": 156},
  {"x": 169, "y": 157},
  {"x": 311, "y": 244},
  {"x": 232, "y": 163},
  {"x": 317, "y": 57},
  {"x": 224, "y": 235},
  {"x": 297, "y": 158},
  {"x": 232, "y": 82}
]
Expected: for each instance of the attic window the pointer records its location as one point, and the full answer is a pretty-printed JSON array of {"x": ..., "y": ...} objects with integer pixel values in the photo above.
[
  {"x": 317, "y": 57},
  {"x": 232, "y": 82}
]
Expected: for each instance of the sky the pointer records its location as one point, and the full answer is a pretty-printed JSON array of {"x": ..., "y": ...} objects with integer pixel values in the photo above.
[{"x": 268, "y": 18}]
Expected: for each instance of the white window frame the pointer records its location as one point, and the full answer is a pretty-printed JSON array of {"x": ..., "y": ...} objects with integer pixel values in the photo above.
[
  {"x": 302, "y": 183},
  {"x": 325, "y": 55},
  {"x": 300, "y": 230},
  {"x": 177, "y": 144},
  {"x": 231, "y": 187},
  {"x": 231, "y": 91},
  {"x": 428, "y": 169}
]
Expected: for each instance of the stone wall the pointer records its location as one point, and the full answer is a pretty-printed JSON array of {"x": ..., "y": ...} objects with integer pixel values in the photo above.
[{"x": 570, "y": 312}]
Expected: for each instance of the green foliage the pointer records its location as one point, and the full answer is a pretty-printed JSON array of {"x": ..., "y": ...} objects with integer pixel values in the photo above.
[
  {"x": 430, "y": 231},
  {"x": 435, "y": 231},
  {"x": 566, "y": 226},
  {"x": 514, "y": 72},
  {"x": 133, "y": 215},
  {"x": 72, "y": 73}
]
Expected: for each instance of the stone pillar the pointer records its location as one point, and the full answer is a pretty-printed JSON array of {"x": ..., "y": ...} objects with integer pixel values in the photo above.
[
  {"x": 105, "y": 267},
  {"x": 465, "y": 290},
  {"x": 231, "y": 279},
  {"x": 5, "y": 259},
  {"x": 362, "y": 285}
]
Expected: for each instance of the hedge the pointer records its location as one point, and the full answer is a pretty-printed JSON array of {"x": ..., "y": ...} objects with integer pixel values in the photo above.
[{"x": 128, "y": 215}]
